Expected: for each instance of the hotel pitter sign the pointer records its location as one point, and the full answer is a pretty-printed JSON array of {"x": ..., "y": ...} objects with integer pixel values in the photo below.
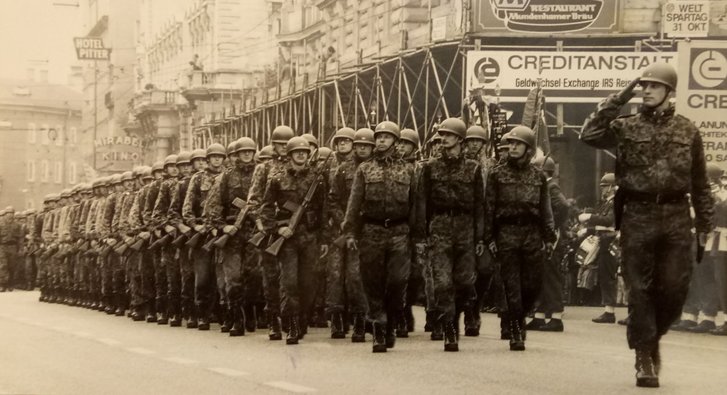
[{"x": 545, "y": 16}]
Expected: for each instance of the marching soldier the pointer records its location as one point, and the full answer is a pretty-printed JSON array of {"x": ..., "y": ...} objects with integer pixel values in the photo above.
[
  {"x": 344, "y": 287},
  {"x": 192, "y": 212},
  {"x": 519, "y": 228},
  {"x": 271, "y": 271},
  {"x": 9, "y": 232},
  {"x": 660, "y": 159},
  {"x": 142, "y": 282},
  {"x": 300, "y": 249},
  {"x": 223, "y": 214},
  {"x": 450, "y": 203},
  {"x": 377, "y": 223}
]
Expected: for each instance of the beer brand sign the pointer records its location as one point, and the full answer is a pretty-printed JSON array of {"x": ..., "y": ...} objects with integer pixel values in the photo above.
[{"x": 545, "y": 16}]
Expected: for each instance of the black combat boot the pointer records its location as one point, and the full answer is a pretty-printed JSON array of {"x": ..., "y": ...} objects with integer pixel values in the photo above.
[
  {"x": 390, "y": 331},
  {"x": 175, "y": 313},
  {"x": 259, "y": 314},
  {"x": 238, "y": 321},
  {"x": 359, "y": 329},
  {"x": 430, "y": 322},
  {"x": 250, "y": 318},
  {"x": 450, "y": 336},
  {"x": 151, "y": 312},
  {"x": 646, "y": 375},
  {"x": 379, "y": 337},
  {"x": 137, "y": 314},
  {"x": 554, "y": 325},
  {"x": 535, "y": 324},
  {"x": 472, "y": 322},
  {"x": 120, "y": 305},
  {"x": 402, "y": 327},
  {"x": 504, "y": 328},
  {"x": 293, "y": 331},
  {"x": 203, "y": 323},
  {"x": 437, "y": 334},
  {"x": 274, "y": 332},
  {"x": 409, "y": 314},
  {"x": 225, "y": 319},
  {"x": 109, "y": 307},
  {"x": 337, "y": 329},
  {"x": 605, "y": 318},
  {"x": 517, "y": 343},
  {"x": 163, "y": 315}
]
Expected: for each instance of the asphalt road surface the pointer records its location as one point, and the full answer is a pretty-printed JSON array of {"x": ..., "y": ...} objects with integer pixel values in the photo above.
[{"x": 57, "y": 349}]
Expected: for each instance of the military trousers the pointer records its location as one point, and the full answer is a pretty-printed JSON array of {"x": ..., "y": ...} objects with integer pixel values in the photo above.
[
  {"x": 520, "y": 252},
  {"x": 239, "y": 271},
  {"x": 204, "y": 281},
  {"x": 344, "y": 287},
  {"x": 702, "y": 295},
  {"x": 657, "y": 256},
  {"x": 271, "y": 282},
  {"x": 385, "y": 256},
  {"x": 297, "y": 260},
  {"x": 551, "y": 294},
  {"x": 187, "y": 281},
  {"x": 452, "y": 256},
  {"x": 6, "y": 257}
]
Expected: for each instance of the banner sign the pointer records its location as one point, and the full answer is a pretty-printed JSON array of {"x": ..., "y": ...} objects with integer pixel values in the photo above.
[
  {"x": 91, "y": 48},
  {"x": 686, "y": 18},
  {"x": 581, "y": 76},
  {"x": 702, "y": 94},
  {"x": 117, "y": 153},
  {"x": 545, "y": 16}
]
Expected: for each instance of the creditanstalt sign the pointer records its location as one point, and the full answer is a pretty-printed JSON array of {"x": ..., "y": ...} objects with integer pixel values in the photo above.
[{"x": 545, "y": 16}]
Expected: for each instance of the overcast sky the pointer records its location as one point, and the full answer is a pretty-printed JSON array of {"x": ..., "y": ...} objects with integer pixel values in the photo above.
[{"x": 36, "y": 33}]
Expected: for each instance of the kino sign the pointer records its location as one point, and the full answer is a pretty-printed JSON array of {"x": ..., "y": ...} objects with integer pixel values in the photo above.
[{"x": 91, "y": 48}]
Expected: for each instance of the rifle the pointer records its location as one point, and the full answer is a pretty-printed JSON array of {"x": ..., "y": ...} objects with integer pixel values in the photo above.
[
  {"x": 104, "y": 251},
  {"x": 194, "y": 240},
  {"x": 184, "y": 230},
  {"x": 138, "y": 244},
  {"x": 239, "y": 221},
  {"x": 299, "y": 209},
  {"x": 257, "y": 239},
  {"x": 162, "y": 242},
  {"x": 121, "y": 248},
  {"x": 340, "y": 242}
]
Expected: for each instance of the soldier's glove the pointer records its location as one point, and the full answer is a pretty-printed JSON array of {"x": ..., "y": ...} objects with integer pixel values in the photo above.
[
  {"x": 199, "y": 228},
  {"x": 227, "y": 229},
  {"x": 144, "y": 235},
  {"x": 351, "y": 244},
  {"x": 583, "y": 218},
  {"x": 480, "y": 248},
  {"x": 214, "y": 232},
  {"x": 285, "y": 232},
  {"x": 110, "y": 241},
  {"x": 548, "y": 250},
  {"x": 493, "y": 249}
]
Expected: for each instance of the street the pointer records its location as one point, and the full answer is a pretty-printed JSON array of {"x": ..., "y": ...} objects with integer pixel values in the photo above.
[{"x": 56, "y": 349}]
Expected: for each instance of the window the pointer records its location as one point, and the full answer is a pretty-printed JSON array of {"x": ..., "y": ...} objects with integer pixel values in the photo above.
[
  {"x": 30, "y": 167},
  {"x": 72, "y": 135},
  {"x": 44, "y": 170},
  {"x": 44, "y": 134},
  {"x": 72, "y": 170},
  {"x": 58, "y": 172},
  {"x": 31, "y": 133},
  {"x": 58, "y": 135}
]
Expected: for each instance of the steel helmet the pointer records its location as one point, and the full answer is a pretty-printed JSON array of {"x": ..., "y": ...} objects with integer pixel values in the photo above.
[
  {"x": 94, "y": 184},
  {"x": 21, "y": 214},
  {"x": 115, "y": 179},
  {"x": 411, "y": 136},
  {"x": 184, "y": 158},
  {"x": 364, "y": 136},
  {"x": 455, "y": 126},
  {"x": 246, "y": 144},
  {"x": 608, "y": 179},
  {"x": 30, "y": 211},
  {"x": 266, "y": 152},
  {"x": 324, "y": 153},
  {"x": 662, "y": 73},
  {"x": 138, "y": 171},
  {"x": 388, "y": 127},
  {"x": 282, "y": 134},
  {"x": 503, "y": 142},
  {"x": 199, "y": 153},
  {"x": 523, "y": 134},
  {"x": 311, "y": 139},
  {"x": 65, "y": 193},
  {"x": 146, "y": 175},
  {"x": 344, "y": 133},
  {"x": 170, "y": 160},
  {"x": 54, "y": 197},
  {"x": 232, "y": 147},
  {"x": 127, "y": 176},
  {"x": 297, "y": 144},
  {"x": 547, "y": 164},
  {"x": 476, "y": 132},
  {"x": 157, "y": 166},
  {"x": 216, "y": 149},
  {"x": 714, "y": 171}
]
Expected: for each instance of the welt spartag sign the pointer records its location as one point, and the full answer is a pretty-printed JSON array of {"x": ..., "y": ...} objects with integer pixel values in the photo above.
[{"x": 686, "y": 18}]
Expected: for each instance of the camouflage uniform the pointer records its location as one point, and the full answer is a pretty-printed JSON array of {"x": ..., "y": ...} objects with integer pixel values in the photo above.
[
  {"x": 519, "y": 220},
  {"x": 660, "y": 159},
  {"x": 185, "y": 297},
  {"x": 607, "y": 263},
  {"x": 112, "y": 286},
  {"x": 204, "y": 270},
  {"x": 379, "y": 215},
  {"x": 167, "y": 279},
  {"x": 159, "y": 271},
  {"x": 238, "y": 260},
  {"x": 450, "y": 204},
  {"x": 142, "y": 283},
  {"x": 343, "y": 272},
  {"x": 8, "y": 245},
  {"x": 299, "y": 254}
]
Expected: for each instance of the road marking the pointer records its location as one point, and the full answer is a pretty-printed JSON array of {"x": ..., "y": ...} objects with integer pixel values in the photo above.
[
  {"x": 140, "y": 350},
  {"x": 108, "y": 341},
  {"x": 290, "y": 387},
  {"x": 181, "y": 361},
  {"x": 228, "y": 372}
]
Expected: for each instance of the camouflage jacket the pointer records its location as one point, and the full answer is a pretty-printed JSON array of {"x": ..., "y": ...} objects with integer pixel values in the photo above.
[
  {"x": 293, "y": 185},
  {"x": 136, "y": 218},
  {"x": 341, "y": 183},
  {"x": 160, "y": 212},
  {"x": 124, "y": 226},
  {"x": 232, "y": 183},
  {"x": 383, "y": 189},
  {"x": 655, "y": 153},
  {"x": 260, "y": 176},
  {"x": 199, "y": 186},
  {"x": 152, "y": 193},
  {"x": 450, "y": 184},
  {"x": 518, "y": 193},
  {"x": 179, "y": 192}
]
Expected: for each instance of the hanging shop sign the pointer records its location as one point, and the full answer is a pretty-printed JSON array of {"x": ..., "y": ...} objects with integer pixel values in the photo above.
[
  {"x": 117, "y": 153},
  {"x": 702, "y": 94},
  {"x": 545, "y": 16},
  {"x": 570, "y": 75},
  {"x": 91, "y": 48}
]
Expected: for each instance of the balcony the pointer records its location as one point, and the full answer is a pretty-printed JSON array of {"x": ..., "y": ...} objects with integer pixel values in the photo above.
[
  {"x": 156, "y": 101},
  {"x": 214, "y": 85},
  {"x": 156, "y": 109}
]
